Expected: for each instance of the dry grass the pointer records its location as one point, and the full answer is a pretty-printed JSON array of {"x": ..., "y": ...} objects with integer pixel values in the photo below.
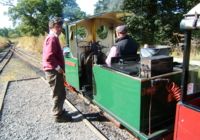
[
  {"x": 35, "y": 44},
  {"x": 195, "y": 51},
  {"x": 31, "y": 43},
  {"x": 3, "y": 43}
]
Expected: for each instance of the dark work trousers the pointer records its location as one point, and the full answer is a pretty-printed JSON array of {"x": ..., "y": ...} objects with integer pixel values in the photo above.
[{"x": 56, "y": 82}]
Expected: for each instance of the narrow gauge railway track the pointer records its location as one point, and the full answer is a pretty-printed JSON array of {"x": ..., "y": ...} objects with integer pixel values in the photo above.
[
  {"x": 4, "y": 53},
  {"x": 5, "y": 57},
  {"x": 28, "y": 58},
  {"x": 89, "y": 113}
]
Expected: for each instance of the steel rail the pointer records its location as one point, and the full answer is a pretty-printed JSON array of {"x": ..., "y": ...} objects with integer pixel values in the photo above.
[
  {"x": 6, "y": 53},
  {"x": 27, "y": 55},
  {"x": 86, "y": 121},
  {"x": 27, "y": 58},
  {"x": 5, "y": 59}
]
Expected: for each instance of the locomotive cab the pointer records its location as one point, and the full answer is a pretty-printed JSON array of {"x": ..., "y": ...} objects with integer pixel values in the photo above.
[{"x": 89, "y": 41}]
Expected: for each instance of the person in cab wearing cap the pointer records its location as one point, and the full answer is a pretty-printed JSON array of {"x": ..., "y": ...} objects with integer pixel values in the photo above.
[
  {"x": 124, "y": 45},
  {"x": 53, "y": 66}
]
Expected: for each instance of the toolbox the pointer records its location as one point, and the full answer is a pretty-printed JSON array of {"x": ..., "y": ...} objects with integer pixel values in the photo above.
[{"x": 156, "y": 65}]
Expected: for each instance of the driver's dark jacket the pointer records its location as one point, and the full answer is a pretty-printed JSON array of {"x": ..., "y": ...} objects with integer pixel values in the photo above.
[{"x": 126, "y": 46}]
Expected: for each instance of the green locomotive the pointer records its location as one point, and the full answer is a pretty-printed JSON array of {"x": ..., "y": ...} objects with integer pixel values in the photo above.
[{"x": 139, "y": 92}]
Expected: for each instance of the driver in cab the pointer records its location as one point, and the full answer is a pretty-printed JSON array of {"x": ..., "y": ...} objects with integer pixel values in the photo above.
[{"x": 124, "y": 45}]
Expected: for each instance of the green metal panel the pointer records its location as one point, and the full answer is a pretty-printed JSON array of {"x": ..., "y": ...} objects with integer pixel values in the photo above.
[
  {"x": 72, "y": 72},
  {"x": 157, "y": 111},
  {"x": 123, "y": 96},
  {"x": 119, "y": 95}
]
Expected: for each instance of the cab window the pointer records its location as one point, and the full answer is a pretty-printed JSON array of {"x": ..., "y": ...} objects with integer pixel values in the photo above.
[{"x": 102, "y": 32}]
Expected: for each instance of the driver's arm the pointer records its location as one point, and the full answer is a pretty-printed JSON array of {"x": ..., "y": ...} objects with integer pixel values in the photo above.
[{"x": 113, "y": 53}]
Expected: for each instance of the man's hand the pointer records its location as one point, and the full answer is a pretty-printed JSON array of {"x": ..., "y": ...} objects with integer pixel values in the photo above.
[{"x": 59, "y": 69}]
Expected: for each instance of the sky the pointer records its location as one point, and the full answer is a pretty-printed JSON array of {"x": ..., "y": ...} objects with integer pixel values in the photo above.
[
  {"x": 3, "y": 18},
  {"x": 85, "y": 5}
]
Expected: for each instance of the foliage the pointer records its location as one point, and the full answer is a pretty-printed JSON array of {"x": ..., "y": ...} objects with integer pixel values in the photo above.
[
  {"x": 32, "y": 16},
  {"x": 102, "y": 32},
  {"x": 4, "y": 42},
  {"x": 108, "y": 5},
  {"x": 9, "y": 33},
  {"x": 72, "y": 12},
  {"x": 81, "y": 33},
  {"x": 101, "y": 6},
  {"x": 4, "y": 32},
  {"x": 156, "y": 20}
]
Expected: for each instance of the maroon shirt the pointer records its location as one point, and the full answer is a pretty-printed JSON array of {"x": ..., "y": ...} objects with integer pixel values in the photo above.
[{"x": 52, "y": 53}]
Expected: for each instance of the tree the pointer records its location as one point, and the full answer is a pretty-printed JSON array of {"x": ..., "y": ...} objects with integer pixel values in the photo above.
[
  {"x": 7, "y": 3},
  {"x": 32, "y": 16},
  {"x": 156, "y": 20},
  {"x": 72, "y": 11},
  {"x": 4, "y": 32},
  {"x": 9, "y": 33},
  {"x": 107, "y": 6}
]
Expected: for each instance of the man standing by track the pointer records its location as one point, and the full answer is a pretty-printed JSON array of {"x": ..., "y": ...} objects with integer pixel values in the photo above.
[{"x": 53, "y": 66}]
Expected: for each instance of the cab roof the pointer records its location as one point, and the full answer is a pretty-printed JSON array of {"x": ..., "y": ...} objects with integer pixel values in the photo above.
[
  {"x": 111, "y": 16},
  {"x": 191, "y": 19}
]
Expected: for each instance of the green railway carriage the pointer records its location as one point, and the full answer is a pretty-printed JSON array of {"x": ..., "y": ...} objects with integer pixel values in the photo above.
[{"x": 135, "y": 91}]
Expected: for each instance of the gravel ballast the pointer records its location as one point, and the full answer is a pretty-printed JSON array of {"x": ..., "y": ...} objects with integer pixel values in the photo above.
[
  {"x": 26, "y": 115},
  {"x": 108, "y": 128}
]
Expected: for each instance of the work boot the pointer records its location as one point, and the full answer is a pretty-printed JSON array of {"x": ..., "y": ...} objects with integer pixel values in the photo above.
[{"x": 64, "y": 117}]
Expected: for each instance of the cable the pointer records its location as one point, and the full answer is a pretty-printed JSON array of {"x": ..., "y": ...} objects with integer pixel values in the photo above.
[
  {"x": 174, "y": 92},
  {"x": 68, "y": 86}
]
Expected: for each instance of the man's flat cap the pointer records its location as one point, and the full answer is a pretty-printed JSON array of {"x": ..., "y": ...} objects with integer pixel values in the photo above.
[{"x": 121, "y": 29}]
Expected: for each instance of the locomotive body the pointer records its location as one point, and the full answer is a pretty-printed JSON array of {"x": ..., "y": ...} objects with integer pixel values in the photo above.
[{"x": 139, "y": 92}]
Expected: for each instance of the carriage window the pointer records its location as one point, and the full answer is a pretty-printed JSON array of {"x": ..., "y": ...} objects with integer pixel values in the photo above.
[
  {"x": 81, "y": 33},
  {"x": 102, "y": 32}
]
